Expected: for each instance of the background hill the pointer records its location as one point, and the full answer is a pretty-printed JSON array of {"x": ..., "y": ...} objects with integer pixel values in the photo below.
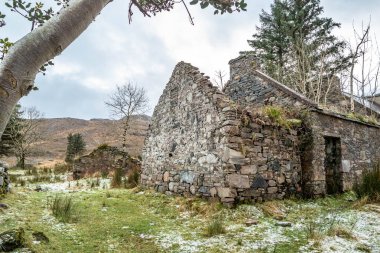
[{"x": 52, "y": 147}]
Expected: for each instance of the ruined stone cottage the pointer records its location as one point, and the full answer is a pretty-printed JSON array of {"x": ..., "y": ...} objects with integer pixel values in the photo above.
[{"x": 209, "y": 143}]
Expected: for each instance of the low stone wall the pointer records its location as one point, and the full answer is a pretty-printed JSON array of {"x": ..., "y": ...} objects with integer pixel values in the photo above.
[
  {"x": 5, "y": 182},
  {"x": 103, "y": 160}
]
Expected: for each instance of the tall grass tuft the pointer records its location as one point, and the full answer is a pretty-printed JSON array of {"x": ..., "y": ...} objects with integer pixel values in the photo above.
[
  {"x": 63, "y": 208},
  {"x": 215, "y": 227},
  {"x": 370, "y": 184}
]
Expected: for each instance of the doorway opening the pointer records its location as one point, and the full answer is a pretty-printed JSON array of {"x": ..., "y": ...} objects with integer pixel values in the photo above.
[{"x": 333, "y": 161}]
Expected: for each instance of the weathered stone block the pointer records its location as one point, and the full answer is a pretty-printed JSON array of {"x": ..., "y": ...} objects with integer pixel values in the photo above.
[
  {"x": 224, "y": 192},
  {"x": 238, "y": 181},
  {"x": 166, "y": 176},
  {"x": 272, "y": 190},
  {"x": 281, "y": 179},
  {"x": 272, "y": 183},
  {"x": 259, "y": 182},
  {"x": 213, "y": 192},
  {"x": 250, "y": 193},
  {"x": 248, "y": 169},
  {"x": 346, "y": 166},
  {"x": 187, "y": 177},
  {"x": 230, "y": 154},
  {"x": 193, "y": 189}
]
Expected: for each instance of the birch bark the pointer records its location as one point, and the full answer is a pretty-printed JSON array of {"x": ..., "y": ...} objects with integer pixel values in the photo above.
[{"x": 20, "y": 66}]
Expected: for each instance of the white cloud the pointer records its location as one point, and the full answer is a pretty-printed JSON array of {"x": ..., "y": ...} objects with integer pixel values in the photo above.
[
  {"x": 64, "y": 68},
  {"x": 96, "y": 83},
  {"x": 113, "y": 52}
]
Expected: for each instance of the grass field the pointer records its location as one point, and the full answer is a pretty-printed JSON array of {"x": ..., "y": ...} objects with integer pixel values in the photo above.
[{"x": 119, "y": 220}]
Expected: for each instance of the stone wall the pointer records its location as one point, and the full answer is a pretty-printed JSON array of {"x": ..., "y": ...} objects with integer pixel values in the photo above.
[
  {"x": 208, "y": 143},
  {"x": 360, "y": 149},
  {"x": 4, "y": 178},
  {"x": 201, "y": 143},
  {"x": 103, "y": 160}
]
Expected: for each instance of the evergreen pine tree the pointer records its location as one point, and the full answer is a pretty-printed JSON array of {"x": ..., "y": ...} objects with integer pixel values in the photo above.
[
  {"x": 75, "y": 146},
  {"x": 295, "y": 45},
  {"x": 269, "y": 44},
  {"x": 11, "y": 132}
]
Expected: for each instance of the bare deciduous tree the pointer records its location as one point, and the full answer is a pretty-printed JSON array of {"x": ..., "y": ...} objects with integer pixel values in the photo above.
[
  {"x": 126, "y": 101},
  {"x": 219, "y": 79},
  {"x": 365, "y": 66},
  {"x": 25, "y": 134}
]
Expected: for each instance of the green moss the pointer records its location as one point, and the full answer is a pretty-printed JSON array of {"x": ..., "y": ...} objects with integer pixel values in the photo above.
[
  {"x": 282, "y": 117},
  {"x": 362, "y": 118}
]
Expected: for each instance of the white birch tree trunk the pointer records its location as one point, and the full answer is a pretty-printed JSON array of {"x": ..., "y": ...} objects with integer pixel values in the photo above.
[{"x": 20, "y": 66}]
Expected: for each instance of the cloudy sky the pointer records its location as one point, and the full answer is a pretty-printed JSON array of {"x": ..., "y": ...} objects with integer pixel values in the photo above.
[{"x": 112, "y": 52}]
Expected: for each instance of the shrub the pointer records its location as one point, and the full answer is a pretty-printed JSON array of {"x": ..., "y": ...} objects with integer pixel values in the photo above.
[
  {"x": 370, "y": 184},
  {"x": 104, "y": 173},
  {"x": 32, "y": 171},
  {"x": 103, "y": 146},
  {"x": 117, "y": 178},
  {"x": 61, "y": 168},
  {"x": 133, "y": 177},
  {"x": 38, "y": 179},
  {"x": 216, "y": 227},
  {"x": 63, "y": 208}
]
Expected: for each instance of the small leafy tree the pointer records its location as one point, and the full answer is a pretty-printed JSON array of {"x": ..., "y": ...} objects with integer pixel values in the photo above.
[{"x": 75, "y": 146}]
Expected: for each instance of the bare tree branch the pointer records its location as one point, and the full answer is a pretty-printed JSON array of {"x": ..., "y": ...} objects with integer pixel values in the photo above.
[{"x": 126, "y": 101}]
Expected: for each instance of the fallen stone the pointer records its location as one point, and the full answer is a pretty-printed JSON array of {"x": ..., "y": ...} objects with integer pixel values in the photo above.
[
  {"x": 283, "y": 224},
  {"x": 12, "y": 239},
  {"x": 251, "y": 222},
  {"x": 40, "y": 237},
  {"x": 3, "y": 206}
]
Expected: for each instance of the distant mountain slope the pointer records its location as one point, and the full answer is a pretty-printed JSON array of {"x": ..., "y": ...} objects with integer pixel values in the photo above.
[{"x": 94, "y": 131}]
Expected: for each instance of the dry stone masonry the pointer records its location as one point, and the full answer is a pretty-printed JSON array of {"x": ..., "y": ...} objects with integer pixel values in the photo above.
[
  {"x": 209, "y": 143},
  {"x": 104, "y": 160},
  {"x": 4, "y": 178}
]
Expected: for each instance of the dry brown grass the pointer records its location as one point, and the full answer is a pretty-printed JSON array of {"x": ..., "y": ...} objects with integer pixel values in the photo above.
[
  {"x": 341, "y": 231},
  {"x": 360, "y": 203},
  {"x": 198, "y": 207},
  {"x": 274, "y": 209}
]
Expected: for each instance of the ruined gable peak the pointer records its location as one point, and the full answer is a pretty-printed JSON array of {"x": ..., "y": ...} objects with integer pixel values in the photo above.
[{"x": 244, "y": 64}]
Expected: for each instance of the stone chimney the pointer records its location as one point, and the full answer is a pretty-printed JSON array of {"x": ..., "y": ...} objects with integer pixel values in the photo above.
[{"x": 242, "y": 65}]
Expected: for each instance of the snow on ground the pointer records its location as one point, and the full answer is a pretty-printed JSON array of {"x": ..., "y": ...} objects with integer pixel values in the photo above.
[
  {"x": 364, "y": 225},
  {"x": 70, "y": 186}
]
